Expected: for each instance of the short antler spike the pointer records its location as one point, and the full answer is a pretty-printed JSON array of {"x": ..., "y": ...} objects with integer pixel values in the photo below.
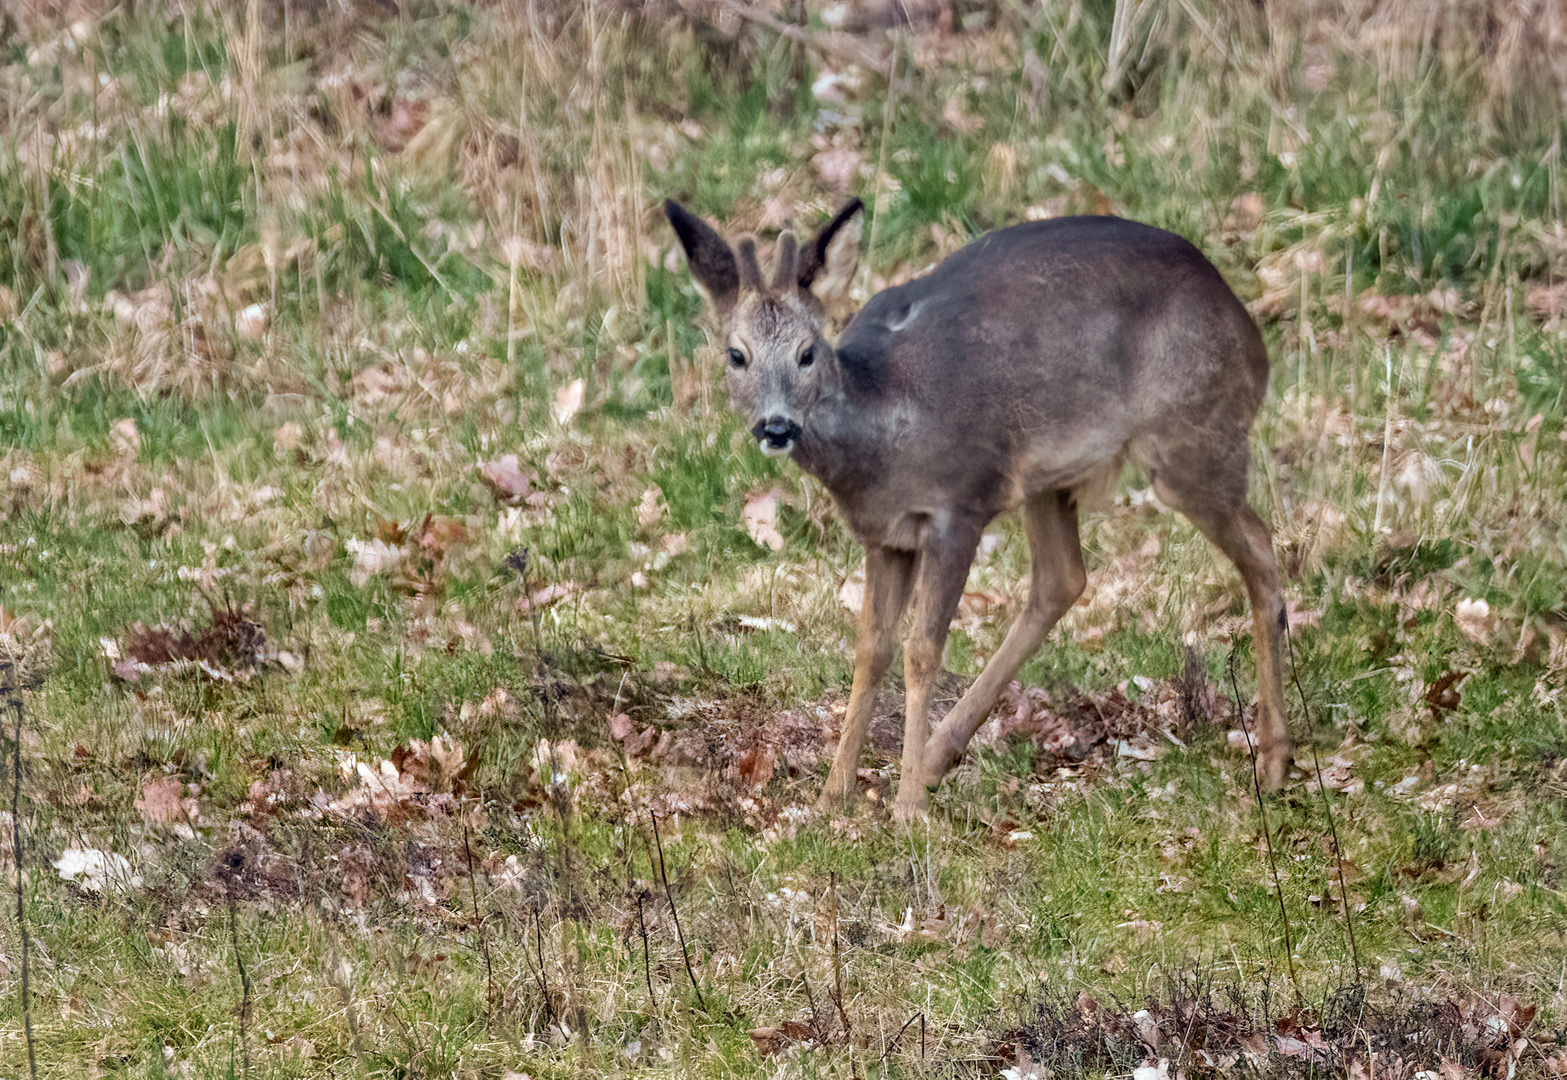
[
  {"x": 750, "y": 272},
  {"x": 788, "y": 260}
]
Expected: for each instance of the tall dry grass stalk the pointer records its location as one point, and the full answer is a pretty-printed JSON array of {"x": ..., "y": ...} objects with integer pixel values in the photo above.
[
  {"x": 1517, "y": 49},
  {"x": 559, "y": 98},
  {"x": 247, "y": 45}
]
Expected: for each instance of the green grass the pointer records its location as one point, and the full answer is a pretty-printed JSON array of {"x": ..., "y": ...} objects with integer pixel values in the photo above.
[{"x": 448, "y": 216}]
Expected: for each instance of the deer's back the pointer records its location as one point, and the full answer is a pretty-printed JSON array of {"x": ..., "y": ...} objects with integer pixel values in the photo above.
[
  {"x": 1042, "y": 353},
  {"x": 1054, "y": 301}
]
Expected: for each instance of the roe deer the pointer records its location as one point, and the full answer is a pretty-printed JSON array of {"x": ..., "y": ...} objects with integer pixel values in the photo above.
[{"x": 1024, "y": 369}]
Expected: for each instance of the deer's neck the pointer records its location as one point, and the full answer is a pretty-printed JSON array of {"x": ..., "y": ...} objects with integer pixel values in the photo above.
[{"x": 852, "y": 442}]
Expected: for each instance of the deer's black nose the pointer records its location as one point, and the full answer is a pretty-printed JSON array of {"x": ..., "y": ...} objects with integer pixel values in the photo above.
[{"x": 776, "y": 434}]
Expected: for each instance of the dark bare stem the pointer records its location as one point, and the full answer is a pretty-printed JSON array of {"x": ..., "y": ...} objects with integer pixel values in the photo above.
[
  {"x": 244, "y": 983},
  {"x": 478, "y": 922},
  {"x": 1267, "y": 834},
  {"x": 837, "y": 958},
  {"x": 663, "y": 875},
  {"x": 542, "y": 979},
  {"x": 647, "y": 959},
  {"x": 893, "y": 1044},
  {"x": 810, "y": 999},
  {"x": 15, "y": 695},
  {"x": 1327, "y": 808},
  {"x": 561, "y": 801},
  {"x": 338, "y": 973}
]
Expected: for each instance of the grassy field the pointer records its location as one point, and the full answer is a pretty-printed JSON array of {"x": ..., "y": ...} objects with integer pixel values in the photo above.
[{"x": 418, "y": 672}]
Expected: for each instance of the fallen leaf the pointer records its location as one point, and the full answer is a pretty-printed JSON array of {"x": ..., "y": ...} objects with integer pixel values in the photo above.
[
  {"x": 568, "y": 400},
  {"x": 1152, "y": 1071},
  {"x": 1245, "y": 214},
  {"x": 650, "y": 509},
  {"x": 1475, "y": 620},
  {"x": 1448, "y": 1069},
  {"x": 551, "y": 594},
  {"x": 1443, "y": 695},
  {"x": 956, "y": 113},
  {"x": 372, "y": 557},
  {"x": 98, "y": 871},
  {"x": 380, "y": 383},
  {"x": 774, "y": 1039},
  {"x": 1305, "y": 619},
  {"x": 978, "y": 605},
  {"x": 504, "y": 477},
  {"x": 761, "y": 519},
  {"x": 755, "y": 767},
  {"x": 405, "y": 120},
  {"x": 839, "y": 167},
  {"x": 161, "y": 803}
]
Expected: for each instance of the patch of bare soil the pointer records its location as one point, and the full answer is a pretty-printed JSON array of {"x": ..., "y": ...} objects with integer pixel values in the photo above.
[
  {"x": 1086, "y": 731},
  {"x": 233, "y": 645},
  {"x": 736, "y": 757},
  {"x": 1200, "y": 1033}
]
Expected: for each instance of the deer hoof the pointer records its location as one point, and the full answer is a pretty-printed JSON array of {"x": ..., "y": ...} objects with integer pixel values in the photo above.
[
  {"x": 836, "y": 792},
  {"x": 829, "y": 803},
  {"x": 1272, "y": 769},
  {"x": 909, "y": 809}
]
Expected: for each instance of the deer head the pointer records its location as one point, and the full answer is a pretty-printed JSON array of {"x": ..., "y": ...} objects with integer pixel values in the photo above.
[{"x": 780, "y": 365}]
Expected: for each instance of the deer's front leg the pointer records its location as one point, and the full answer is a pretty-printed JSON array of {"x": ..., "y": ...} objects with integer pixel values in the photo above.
[
  {"x": 944, "y": 561},
  {"x": 888, "y": 575}
]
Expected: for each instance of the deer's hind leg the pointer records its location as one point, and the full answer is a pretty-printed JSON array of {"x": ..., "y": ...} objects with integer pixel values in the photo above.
[
  {"x": 1056, "y": 580},
  {"x": 1212, "y": 495}
]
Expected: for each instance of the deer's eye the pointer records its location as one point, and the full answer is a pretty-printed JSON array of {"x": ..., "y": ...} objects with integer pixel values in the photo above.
[
  {"x": 736, "y": 358},
  {"x": 808, "y": 357}
]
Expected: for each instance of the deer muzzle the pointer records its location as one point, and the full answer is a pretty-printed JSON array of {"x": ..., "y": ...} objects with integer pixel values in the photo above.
[{"x": 776, "y": 435}]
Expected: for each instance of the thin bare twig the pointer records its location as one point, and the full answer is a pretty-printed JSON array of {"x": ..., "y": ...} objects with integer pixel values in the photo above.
[
  {"x": 559, "y": 799},
  {"x": 837, "y": 958},
  {"x": 810, "y": 999},
  {"x": 685, "y": 953},
  {"x": 541, "y": 978},
  {"x": 1267, "y": 834},
  {"x": 647, "y": 959},
  {"x": 893, "y": 1043},
  {"x": 14, "y": 695},
  {"x": 1327, "y": 807},
  {"x": 244, "y": 982},
  {"x": 478, "y": 922}
]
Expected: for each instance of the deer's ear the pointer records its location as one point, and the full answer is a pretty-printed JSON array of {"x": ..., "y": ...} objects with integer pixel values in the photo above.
[
  {"x": 828, "y": 263},
  {"x": 712, "y": 261}
]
